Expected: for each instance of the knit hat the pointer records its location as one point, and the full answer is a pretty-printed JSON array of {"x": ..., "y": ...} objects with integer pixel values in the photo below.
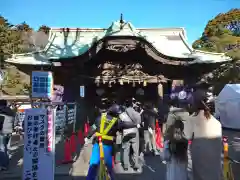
[
  {"x": 115, "y": 109},
  {"x": 200, "y": 96}
]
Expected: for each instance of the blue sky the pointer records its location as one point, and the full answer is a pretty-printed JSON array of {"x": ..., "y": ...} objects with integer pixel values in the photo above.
[{"x": 190, "y": 14}]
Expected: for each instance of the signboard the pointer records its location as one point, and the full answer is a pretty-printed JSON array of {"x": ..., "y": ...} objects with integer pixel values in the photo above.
[
  {"x": 82, "y": 91},
  {"x": 42, "y": 84},
  {"x": 1, "y": 76},
  {"x": 21, "y": 113},
  {"x": 71, "y": 113},
  {"x": 38, "y": 149},
  {"x": 60, "y": 120}
]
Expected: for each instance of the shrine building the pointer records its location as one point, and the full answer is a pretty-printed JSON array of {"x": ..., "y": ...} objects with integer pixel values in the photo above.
[{"x": 119, "y": 60}]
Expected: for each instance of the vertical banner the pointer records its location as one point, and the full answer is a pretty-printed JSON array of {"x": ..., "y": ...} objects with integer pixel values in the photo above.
[
  {"x": 50, "y": 131},
  {"x": 42, "y": 84},
  {"x": 39, "y": 162},
  {"x": 82, "y": 91}
]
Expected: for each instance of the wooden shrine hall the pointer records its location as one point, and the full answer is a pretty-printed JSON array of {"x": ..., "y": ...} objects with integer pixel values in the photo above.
[{"x": 120, "y": 60}]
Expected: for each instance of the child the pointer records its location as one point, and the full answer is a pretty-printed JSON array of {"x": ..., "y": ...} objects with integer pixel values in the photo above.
[{"x": 175, "y": 152}]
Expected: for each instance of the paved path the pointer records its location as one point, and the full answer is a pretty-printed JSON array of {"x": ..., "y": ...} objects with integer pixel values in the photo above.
[
  {"x": 153, "y": 169},
  {"x": 78, "y": 170}
]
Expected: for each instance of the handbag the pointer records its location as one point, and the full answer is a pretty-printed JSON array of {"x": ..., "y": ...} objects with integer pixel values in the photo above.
[
  {"x": 1, "y": 122},
  {"x": 166, "y": 151}
]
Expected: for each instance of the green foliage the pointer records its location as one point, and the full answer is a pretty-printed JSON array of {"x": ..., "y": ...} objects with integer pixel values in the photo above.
[
  {"x": 23, "y": 27},
  {"x": 44, "y": 29},
  {"x": 15, "y": 39},
  {"x": 15, "y": 81},
  {"x": 221, "y": 35}
]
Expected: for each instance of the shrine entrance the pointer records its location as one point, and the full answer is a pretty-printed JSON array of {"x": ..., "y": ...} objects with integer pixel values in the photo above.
[
  {"x": 117, "y": 81},
  {"x": 121, "y": 69}
]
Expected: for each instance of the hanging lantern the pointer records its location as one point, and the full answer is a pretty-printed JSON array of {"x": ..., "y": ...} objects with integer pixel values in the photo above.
[
  {"x": 97, "y": 81},
  {"x": 144, "y": 83},
  {"x": 121, "y": 82},
  {"x": 100, "y": 91},
  {"x": 140, "y": 92},
  {"x": 128, "y": 81},
  {"x": 134, "y": 84},
  {"x": 139, "y": 82},
  {"x": 110, "y": 84},
  {"x": 160, "y": 90}
]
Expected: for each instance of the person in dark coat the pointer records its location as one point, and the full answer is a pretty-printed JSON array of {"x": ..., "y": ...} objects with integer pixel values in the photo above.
[
  {"x": 149, "y": 116},
  {"x": 130, "y": 135},
  {"x": 179, "y": 109},
  {"x": 7, "y": 117}
]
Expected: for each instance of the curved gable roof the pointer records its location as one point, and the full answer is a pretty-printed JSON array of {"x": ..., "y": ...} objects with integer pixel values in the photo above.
[
  {"x": 66, "y": 42},
  {"x": 170, "y": 42}
]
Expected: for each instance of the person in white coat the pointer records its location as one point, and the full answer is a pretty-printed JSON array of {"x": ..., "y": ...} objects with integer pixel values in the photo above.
[{"x": 205, "y": 131}]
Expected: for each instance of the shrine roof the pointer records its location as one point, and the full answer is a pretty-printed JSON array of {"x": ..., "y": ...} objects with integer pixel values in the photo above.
[{"x": 64, "y": 43}]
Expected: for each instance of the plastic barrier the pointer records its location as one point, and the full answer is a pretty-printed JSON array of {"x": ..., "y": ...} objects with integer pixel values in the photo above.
[
  {"x": 73, "y": 144},
  {"x": 67, "y": 153},
  {"x": 80, "y": 137},
  {"x": 86, "y": 129}
]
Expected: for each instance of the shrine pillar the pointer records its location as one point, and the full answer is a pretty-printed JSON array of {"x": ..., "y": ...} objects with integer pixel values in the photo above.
[
  {"x": 160, "y": 100},
  {"x": 160, "y": 90}
]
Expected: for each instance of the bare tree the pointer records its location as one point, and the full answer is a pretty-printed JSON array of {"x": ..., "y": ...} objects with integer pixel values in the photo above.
[{"x": 34, "y": 41}]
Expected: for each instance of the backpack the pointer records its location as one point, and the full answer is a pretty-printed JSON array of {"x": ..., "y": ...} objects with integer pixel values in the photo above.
[{"x": 177, "y": 142}]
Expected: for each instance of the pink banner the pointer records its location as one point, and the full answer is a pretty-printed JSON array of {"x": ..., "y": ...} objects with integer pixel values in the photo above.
[{"x": 50, "y": 131}]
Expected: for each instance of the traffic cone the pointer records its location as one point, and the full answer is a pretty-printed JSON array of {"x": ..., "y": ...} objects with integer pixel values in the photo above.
[
  {"x": 67, "y": 153},
  {"x": 158, "y": 136},
  {"x": 113, "y": 161},
  {"x": 86, "y": 129},
  {"x": 80, "y": 137},
  {"x": 73, "y": 143}
]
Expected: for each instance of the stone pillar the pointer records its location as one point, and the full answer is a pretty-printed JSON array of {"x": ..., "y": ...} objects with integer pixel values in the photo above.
[{"x": 161, "y": 109}]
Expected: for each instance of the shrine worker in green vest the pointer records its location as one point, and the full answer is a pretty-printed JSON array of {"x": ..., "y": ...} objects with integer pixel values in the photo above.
[{"x": 107, "y": 125}]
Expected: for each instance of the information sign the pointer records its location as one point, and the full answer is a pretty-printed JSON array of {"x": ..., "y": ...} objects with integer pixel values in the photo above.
[
  {"x": 38, "y": 161},
  {"x": 42, "y": 84},
  {"x": 82, "y": 91}
]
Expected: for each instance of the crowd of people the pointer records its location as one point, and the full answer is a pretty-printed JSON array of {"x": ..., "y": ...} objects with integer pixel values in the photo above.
[
  {"x": 187, "y": 120},
  {"x": 181, "y": 118}
]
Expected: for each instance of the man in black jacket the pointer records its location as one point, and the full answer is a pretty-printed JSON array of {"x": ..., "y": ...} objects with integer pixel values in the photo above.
[
  {"x": 149, "y": 117},
  {"x": 7, "y": 117}
]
